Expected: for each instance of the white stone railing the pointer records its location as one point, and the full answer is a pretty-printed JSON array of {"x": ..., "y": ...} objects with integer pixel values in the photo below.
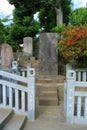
[
  {"x": 18, "y": 92},
  {"x": 75, "y": 96},
  {"x": 23, "y": 72}
]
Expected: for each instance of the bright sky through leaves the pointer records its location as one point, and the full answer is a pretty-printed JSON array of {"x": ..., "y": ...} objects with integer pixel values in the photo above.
[
  {"x": 6, "y": 8},
  {"x": 79, "y": 3}
]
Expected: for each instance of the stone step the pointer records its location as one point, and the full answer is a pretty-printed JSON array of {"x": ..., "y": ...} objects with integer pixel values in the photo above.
[
  {"x": 48, "y": 101},
  {"x": 47, "y": 93},
  {"x": 50, "y": 85},
  {"x": 11, "y": 121},
  {"x": 41, "y": 76},
  {"x": 43, "y": 91},
  {"x": 46, "y": 87},
  {"x": 5, "y": 114},
  {"x": 50, "y": 79},
  {"x": 16, "y": 122}
]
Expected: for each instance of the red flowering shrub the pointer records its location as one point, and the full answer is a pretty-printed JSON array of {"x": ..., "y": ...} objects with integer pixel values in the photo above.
[{"x": 73, "y": 43}]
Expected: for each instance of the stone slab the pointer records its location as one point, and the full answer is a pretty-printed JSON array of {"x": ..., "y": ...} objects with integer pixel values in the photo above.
[
  {"x": 28, "y": 46},
  {"x": 48, "y": 54},
  {"x": 6, "y": 55}
]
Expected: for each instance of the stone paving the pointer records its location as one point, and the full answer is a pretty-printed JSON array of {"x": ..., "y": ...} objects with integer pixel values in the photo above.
[{"x": 52, "y": 118}]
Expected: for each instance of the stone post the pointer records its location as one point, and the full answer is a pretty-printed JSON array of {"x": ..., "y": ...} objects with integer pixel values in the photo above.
[
  {"x": 31, "y": 93},
  {"x": 15, "y": 67},
  {"x": 68, "y": 67},
  {"x": 28, "y": 46},
  {"x": 48, "y": 54},
  {"x": 71, "y": 77}
]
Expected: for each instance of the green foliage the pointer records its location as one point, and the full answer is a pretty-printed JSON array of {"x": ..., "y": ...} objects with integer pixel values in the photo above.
[
  {"x": 66, "y": 7},
  {"x": 11, "y": 42},
  {"x": 27, "y": 27},
  {"x": 59, "y": 28},
  {"x": 2, "y": 36},
  {"x": 24, "y": 23},
  {"x": 79, "y": 16},
  {"x": 47, "y": 19},
  {"x": 35, "y": 47},
  {"x": 73, "y": 44},
  {"x": 5, "y": 31},
  {"x": 28, "y": 8},
  {"x": 47, "y": 16}
]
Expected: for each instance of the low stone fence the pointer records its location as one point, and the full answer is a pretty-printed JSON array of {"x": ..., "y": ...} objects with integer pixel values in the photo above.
[
  {"x": 18, "y": 92},
  {"x": 75, "y": 96}
]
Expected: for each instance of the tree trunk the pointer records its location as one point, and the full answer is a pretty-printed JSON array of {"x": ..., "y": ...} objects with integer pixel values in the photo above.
[
  {"x": 59, "y": 12},
  {"x": 59, "y": 15}
]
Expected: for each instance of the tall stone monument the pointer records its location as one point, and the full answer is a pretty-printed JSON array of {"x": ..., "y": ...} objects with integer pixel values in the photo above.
[
  {"x": 6, "y": 55},
  {"x": 48, "y": 54},
  {"x": 28, "y": 46}
]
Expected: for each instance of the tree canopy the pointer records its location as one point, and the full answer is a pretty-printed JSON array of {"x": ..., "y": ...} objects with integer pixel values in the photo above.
[
  {"x": 2, "y": 29},
  {"x": 24, "y": 23},
  {"x": 79, "y": 16},
  {"x": 28, "y": 8}
]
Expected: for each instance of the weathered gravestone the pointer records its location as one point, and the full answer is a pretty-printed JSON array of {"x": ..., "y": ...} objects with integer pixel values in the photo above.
[
  {"x": 6, "y": 55},
  {"x": 28, "y": 46},
  {"x": 48, "y": 54}
]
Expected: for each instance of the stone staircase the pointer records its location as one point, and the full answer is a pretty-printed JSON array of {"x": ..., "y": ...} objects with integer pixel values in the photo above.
[
  {"x": 46, "y": 114},
  {"x": 49, "y": 93},
  {"x": 49, "y": 118},
  {"x": 11, "y": 121},
  {"x": 50, "y": 89}
]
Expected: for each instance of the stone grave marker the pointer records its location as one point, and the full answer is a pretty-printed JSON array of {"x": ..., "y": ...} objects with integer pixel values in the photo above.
[
  {"x": 6, "y": 55},
  {"x": 28, "y": 46},
  {"x": 48, "y": 54}
]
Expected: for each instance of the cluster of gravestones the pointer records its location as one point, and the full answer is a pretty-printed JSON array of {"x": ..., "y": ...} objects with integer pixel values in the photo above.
[{"x": 48, "y": 54}]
